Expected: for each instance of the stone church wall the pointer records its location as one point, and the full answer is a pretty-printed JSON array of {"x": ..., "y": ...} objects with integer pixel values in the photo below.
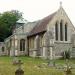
[{"x": 61, "y": 47}]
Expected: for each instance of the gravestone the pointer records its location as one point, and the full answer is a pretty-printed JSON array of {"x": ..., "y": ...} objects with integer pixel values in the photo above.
[{"x": 19, "y": 71}]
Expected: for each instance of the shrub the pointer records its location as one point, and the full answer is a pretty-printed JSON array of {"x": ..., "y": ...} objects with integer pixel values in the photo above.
[{"x": 66, "y": 54}]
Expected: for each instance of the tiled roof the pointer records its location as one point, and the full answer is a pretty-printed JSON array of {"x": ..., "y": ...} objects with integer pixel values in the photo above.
[{"x": 41, "y": 25}]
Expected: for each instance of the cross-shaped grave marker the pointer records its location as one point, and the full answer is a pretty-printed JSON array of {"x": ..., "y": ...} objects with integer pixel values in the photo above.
[
  {"x": 19, "y": 63},
  {"x": 19, "y": 71}
]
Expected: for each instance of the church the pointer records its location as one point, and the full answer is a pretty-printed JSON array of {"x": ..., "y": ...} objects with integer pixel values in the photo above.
[{"x": 48, "y": 37}]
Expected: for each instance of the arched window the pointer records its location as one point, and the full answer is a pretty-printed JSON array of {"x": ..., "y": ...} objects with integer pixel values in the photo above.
[
  {"x": 2, "y": 49},
  {"x": 66, "y": 32},
  {"x": 56, "y": 31},
  {"x": 61, "y": 30},
  {"x": 22, "y": 45}
]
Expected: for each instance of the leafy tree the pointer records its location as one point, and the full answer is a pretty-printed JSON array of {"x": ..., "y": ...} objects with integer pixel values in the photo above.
[{"x": 7, "y": 22}]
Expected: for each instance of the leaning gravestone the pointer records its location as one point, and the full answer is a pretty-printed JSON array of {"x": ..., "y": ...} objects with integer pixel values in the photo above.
[{"x": 19, "y": 71}]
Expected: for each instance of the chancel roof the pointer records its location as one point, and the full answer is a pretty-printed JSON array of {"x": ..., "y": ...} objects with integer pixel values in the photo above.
[{"x": 41, "y": 25}]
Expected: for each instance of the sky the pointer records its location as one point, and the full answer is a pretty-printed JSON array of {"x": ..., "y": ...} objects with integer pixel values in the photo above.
[{"x": 37, "y": 9}]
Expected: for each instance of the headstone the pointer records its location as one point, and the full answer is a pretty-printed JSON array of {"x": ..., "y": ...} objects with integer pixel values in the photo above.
[{"x": 19, "y": 71}]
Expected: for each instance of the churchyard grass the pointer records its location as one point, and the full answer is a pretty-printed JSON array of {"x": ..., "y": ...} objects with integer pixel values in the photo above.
[{"x": 30, "y": 66}]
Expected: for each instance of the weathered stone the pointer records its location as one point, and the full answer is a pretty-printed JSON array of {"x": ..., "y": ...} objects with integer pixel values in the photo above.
[{"x": 19, "y": 72}]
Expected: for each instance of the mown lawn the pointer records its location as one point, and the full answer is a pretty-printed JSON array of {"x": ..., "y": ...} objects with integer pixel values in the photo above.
[{"x": 30, "y": 66}]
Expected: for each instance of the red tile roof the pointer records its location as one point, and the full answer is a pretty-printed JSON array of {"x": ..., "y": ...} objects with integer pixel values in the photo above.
[{"x": 41, "y": 25}]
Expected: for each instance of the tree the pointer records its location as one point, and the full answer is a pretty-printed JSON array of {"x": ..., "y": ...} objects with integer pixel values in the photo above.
[{"x": 7, "y": 22}]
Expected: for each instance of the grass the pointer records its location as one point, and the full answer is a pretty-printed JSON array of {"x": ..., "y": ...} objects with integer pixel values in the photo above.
[{"x": 30, "y": 66}]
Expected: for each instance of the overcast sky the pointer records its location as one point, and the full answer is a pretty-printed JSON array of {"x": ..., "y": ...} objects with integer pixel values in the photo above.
[{"x": 37, "y": 9}]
